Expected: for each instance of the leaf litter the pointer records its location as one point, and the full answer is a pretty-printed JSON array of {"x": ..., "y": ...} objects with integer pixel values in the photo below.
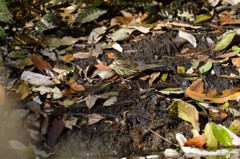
[{"x": 68, "y": 72}]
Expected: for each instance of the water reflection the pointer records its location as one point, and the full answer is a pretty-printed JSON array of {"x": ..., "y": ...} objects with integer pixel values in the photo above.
[{"x": 12, "y": 126}]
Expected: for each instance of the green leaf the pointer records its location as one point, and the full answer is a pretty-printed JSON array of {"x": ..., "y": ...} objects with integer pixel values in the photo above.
[
  {"x": 186, "y": 112},
  {"x": 5, "y": 15},
  {"x": 205, "y": 67},
  {"x": 210, "y": 138},
  {"x": 203, "y": 18},
  {"x": 221, "y": 135},
  {"x": 18, "y": 55},
  {"x": 235, "y": 48},
  {"x": 195, "y": 64},
  {"x": 192, "y": 78},
  {"x": 225, "y": 41},
  {"x": 49, "y": 21},
  {"x": 88, "y": 14}
]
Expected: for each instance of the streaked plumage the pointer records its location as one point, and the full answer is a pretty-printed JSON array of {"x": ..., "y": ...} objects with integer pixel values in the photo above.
[{"x": 127, "y": 68}]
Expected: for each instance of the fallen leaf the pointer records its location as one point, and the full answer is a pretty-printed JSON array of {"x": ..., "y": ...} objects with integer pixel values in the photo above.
[
  {"x": 180, "y": 139},
  {"x": 198, "y": 141},
  {"x": 107, "y": 95},
  {"x": 186, "y": 112},
  {"x": 218, "y": 116},
  {"x": 104, "y": 73},
  {"x": 205, "y": 67},
  {"x": 91, "y": 100},
  {"x": 103, "y": 67},
  {"x": 94, "y": 118},
  {"x": 68, "y": 57},
  {"x": 230, "y": 54},
  {"x": 83, "y": 55},
  {"x": 70, "y": 122},
  {"x": 117, "y": 47},
  {"x": 235, "y": 126},
  {"x": 224, "y": 41},
  {"x": 67, "y": 40},
  {"x": 37, "y": 79},
  {"x": 221, "y": 135},
  {"x": 189, "y": 37},
  {"x": 180, "y": 69},
  {"x": 24, "y": 90},
  {"x": 234, "y": 138},
  {"x": 196, "y": 89},
  {"x": 123, "y": 20},
  {"x": 164, "y": 77},
  {"x": 172, "y": 91},
  {"x": 96, "y": 35},
  {"x": 224, "y": 96},
  {"x": 210, "y": 138},
  {"x": 141, "y": 29},
  {"x": 77, "y": 87},
  {"x": 119, "y": 35},
  {"x": 236, "y": 62},
  {"x": 110, "y": 55},
  {"x": 55, "y": 91},
  {"x": 110, "y": 101},
  {"x": 39, "y": 62},
  {"x": 203, "y": 17},
  {"x": 232, "y": 2},
  {"x": 153, "y": 77}
]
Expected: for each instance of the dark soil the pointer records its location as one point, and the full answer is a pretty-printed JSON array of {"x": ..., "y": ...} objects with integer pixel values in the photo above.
[{"x": 125, "y": 130}]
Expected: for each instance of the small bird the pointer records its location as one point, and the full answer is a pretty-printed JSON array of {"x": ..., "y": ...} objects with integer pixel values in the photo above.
[{"x": 127, "y": 68}]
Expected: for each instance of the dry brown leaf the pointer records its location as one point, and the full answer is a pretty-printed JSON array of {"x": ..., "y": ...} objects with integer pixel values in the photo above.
[
  {"x": 104, "y": 73},
  {"x": 202, "y": 58},
  {"x": 104, "y": 67},
  {"x": 225, "y": 20},
  {"x": 77, "y": 87},
  {"x": 153, "y": 77},
  {"x": 218, "y": 116},
  {"x": 94, "y": 118},
  {"x": 198, "y": 141},
  {"x": 124, "y": 20},
  {"x": 110, "y": 55},
  {"x": 24, "y": 90},
  {"x": 236, "y": 62},
  {"x": 27, "y": 62},
  {"x": 68, "y": 57},
  {"x": 69, "y": 123},
  {"x": 196, "y": 89},
  {"x": 39, "y": 62},
  {"x": 91, "y": 100},
  {"x": 82, "y": 55},
  {"x": 229, "y": 21},
  {"x": 225, "y": 96},
  {"x": 230, "y": 54},
  {"x": 2, "y": 95}
]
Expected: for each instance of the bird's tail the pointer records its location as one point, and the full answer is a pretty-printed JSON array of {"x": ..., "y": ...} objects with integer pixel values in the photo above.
[{"x": 150, "y": 66}]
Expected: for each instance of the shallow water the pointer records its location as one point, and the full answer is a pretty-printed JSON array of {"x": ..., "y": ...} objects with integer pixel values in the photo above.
[{"x": 12, "y": 127}]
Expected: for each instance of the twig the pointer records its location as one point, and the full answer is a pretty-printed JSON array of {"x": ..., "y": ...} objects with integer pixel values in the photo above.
[{"x": 160, "y": 136}]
